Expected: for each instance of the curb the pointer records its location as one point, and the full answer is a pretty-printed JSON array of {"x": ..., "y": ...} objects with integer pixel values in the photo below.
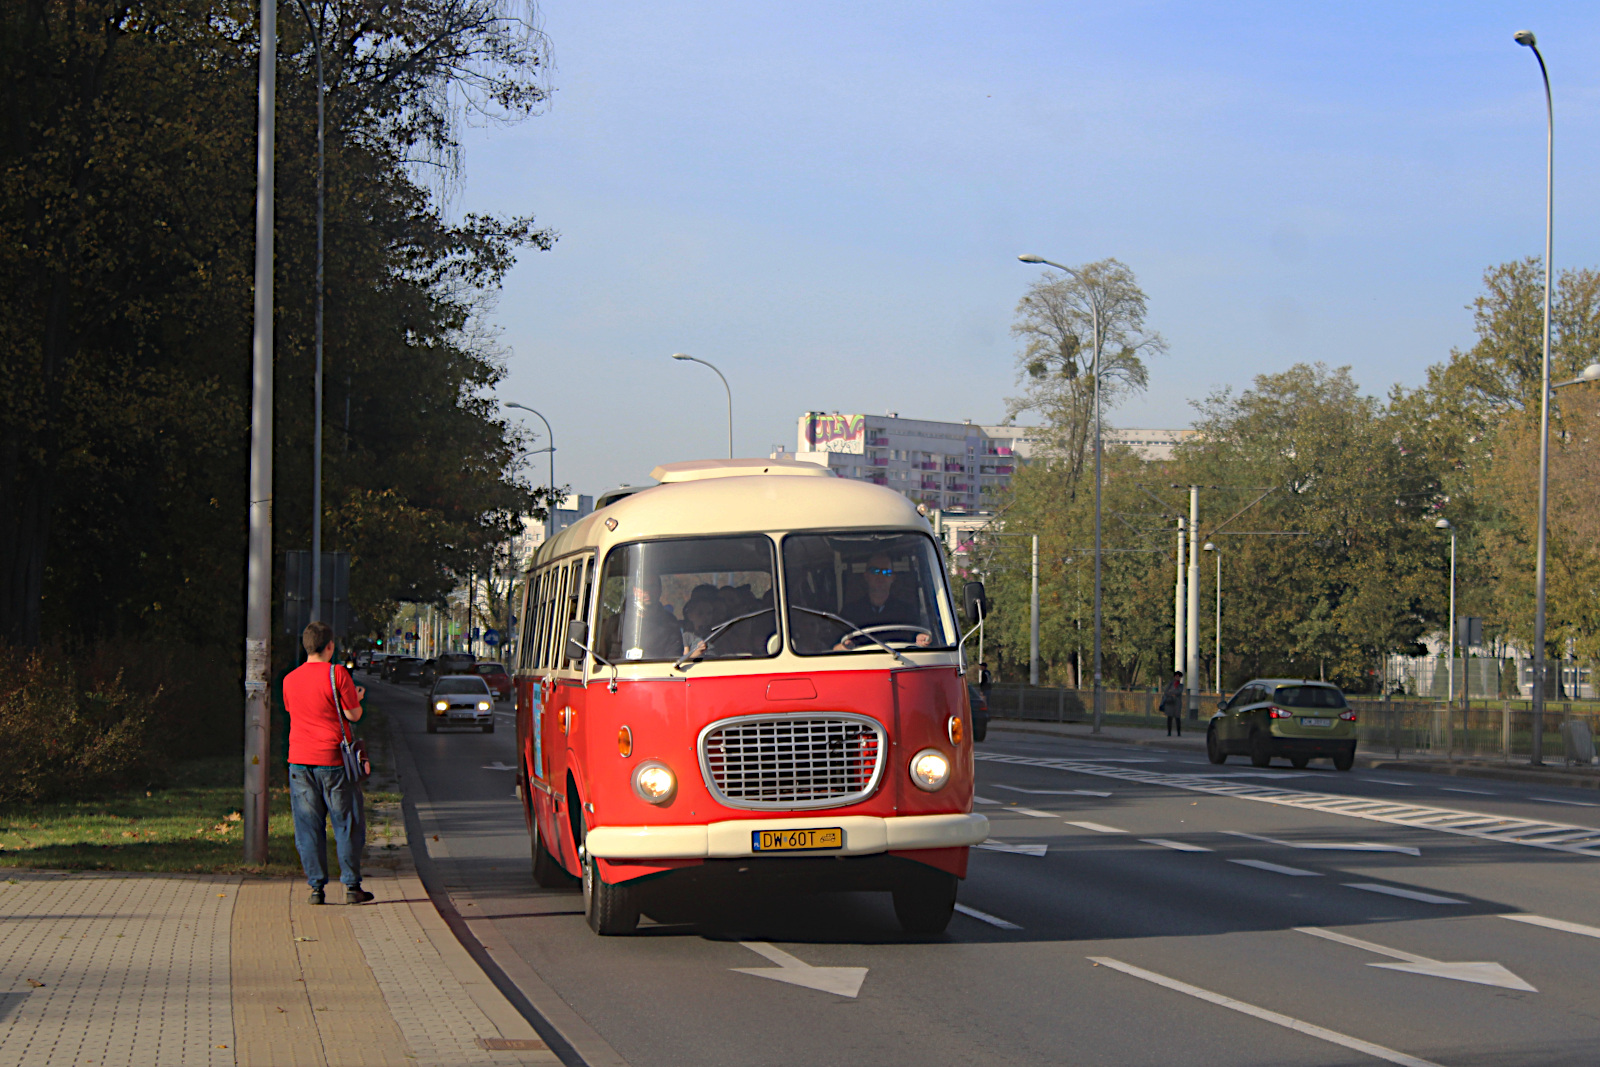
[{"x": 1464, "y": 769}]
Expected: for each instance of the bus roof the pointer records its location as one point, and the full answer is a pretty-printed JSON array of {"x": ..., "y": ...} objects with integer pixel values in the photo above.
[{"x": 741, "y": 496}]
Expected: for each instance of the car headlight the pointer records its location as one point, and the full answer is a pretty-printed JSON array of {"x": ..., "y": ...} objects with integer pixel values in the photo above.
[
  {"x": 654, "y": 782},
  {"x": 930, "y": 769},
  {"x": 441, "y": 705},
  {"x": 483, "y": 705}
]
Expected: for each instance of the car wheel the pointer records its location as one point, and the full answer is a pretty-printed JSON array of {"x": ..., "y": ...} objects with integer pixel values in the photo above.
[
  {"x": 547, "y": 870},
  {"x": 1214, "y": 750},
  {"x": 609, "y": 909},
  {"x": 1345, "y": 760},
  {"x": 924, "y": 900},
  {"x": 433, "y": 725},
  {"x": 1260, "y": 754},
  {"x": 980, "y": 729},
  {"x": 1299, "y": 762}
]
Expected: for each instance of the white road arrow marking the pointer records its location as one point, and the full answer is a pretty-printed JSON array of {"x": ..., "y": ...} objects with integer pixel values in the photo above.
[
  {"x": 1055, "y": 792},
  {"x": 1331, "y": 846},
  {"x": 498, "y": 766},
  {"x": 843, "y": 981},
  {"x": 1476, "y": 973},
  {"x": 1004, "y": 846}
]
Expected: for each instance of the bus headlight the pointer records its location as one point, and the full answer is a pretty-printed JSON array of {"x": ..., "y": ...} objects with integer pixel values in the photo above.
[
  {"x": 654, "y": 782},
  {"x": 441, "y": 707},
  {"x": 930, "y": 769}
]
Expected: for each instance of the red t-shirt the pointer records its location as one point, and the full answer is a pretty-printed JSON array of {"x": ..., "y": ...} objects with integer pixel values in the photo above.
[{"x": 314, "y": 731}]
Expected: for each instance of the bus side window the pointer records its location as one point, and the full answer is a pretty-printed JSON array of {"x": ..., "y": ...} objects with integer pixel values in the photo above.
[
  {"x": 544, "y": 617},
  {"x": 530, "y": 655},
  {"x": 519, "y": 654},
  {"x": 558, "y": 592},
  {"x": 576, "y": 601}
]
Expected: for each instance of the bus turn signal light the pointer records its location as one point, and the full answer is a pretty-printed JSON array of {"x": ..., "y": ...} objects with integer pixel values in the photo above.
[
  {"x": 955, "y": 729},
  {"x": 625, "y": 742}
]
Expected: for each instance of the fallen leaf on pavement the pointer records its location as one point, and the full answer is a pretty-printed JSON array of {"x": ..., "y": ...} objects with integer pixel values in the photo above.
[
  {"x": 305, "y": 939},
  {"x": 36, "y": 983}
]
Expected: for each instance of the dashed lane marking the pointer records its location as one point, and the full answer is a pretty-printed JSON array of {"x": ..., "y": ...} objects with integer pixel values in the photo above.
[
  {"x": 1554, "y": 924},
  {"x": 985, "y": 917},
  {"x": 1055, "y": 792},
  {"x": 1330, "y": 846},
  {"x": 1408, "y": 894},
  {"x": 1560, "y": 837},
  {"x": 1474, "y": 792},
  {"x": 983, "y": 800},
  {"x": 1277, "y": 868},
  {"x": 1035, "y": 812},
  {"x": 1178, "y": 846},
  {"x": 1289, "y": 1022},
  {"x": 1558, "y": 800},
  {"x": 992, "y": 845},
  {"x": 1097, "y": 827}
]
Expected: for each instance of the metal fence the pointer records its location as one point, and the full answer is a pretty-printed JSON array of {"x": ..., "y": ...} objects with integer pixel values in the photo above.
[{"x": 1486, "y": 730}]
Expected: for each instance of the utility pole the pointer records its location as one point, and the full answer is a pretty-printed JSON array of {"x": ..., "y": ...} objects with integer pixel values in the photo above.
[
  {"x": 258, "y": 570},
  {"x": 1033, "y": 619},
  {"x": 1177, "y": 606},
  {"x": 1191, "y": 674}
]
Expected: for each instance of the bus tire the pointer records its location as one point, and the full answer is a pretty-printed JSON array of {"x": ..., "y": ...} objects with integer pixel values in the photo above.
[
  {"x": 609, "y": 909},
  {"x": 924, "y": 901},
  {"x": 547, "y": 872}
]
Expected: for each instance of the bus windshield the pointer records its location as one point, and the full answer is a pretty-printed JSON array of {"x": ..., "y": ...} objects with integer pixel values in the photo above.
[
  {"x": 665, "y": 600},
  {"x": 842, "y": 587}
]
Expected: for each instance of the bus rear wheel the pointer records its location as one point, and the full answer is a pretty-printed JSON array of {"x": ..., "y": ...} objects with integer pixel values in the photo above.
[{"x": 924, "y": 900}]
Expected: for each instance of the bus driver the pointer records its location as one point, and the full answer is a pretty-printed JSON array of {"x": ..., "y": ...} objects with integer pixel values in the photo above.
[{"x": 880, "y": 607}]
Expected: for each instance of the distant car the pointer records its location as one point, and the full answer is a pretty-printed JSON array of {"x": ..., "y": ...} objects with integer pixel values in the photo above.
[
  {"x": 363, "y": 658},
  {"x": 1289, "y": 717},
  {"x": 375, "y": 662},
  {"x": 428, "y": 673},
  {"x": 499, "y": 681},
  {"x": 457, "y": 663},
  {"x": 406, "y": 670},
  {"x": 980, "y": 713},
  {"x": 461, "y": 700}
]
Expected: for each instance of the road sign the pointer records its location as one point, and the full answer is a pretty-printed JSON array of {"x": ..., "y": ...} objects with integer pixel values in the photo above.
[
  {"x": 491, "y": 637},
  {"x": 1469, "y": 630},
  {"x": 335, "y": 592},
  {"x": 475, "y": 633}
]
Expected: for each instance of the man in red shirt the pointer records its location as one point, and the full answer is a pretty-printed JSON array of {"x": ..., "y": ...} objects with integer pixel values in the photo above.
[{"x": 318, "y": 788}]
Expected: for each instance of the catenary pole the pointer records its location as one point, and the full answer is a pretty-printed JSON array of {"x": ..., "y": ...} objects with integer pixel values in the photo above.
[
  {"x": 1033, "y": 619},
  {"x": 1526, "y": 39},
  {"x": 1178, "y": 605},
  {"x": 1191, "y": 673},
  {"x": 258, "y": 569}
]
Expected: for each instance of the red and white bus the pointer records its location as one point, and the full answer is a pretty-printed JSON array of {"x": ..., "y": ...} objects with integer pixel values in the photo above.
[{"x": 752, "y": 669}]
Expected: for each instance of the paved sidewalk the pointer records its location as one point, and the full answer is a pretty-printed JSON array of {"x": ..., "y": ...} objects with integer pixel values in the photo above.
[{"x": 172, "y": 970}]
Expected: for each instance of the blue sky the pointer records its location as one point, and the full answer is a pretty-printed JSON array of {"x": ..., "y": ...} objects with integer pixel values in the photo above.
[{"x": 827, "y": 200}]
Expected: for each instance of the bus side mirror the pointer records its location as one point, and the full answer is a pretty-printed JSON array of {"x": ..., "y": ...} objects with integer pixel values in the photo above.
[
  {"x": 577, "y": 638},
  {"x": 974, "y": 601}
]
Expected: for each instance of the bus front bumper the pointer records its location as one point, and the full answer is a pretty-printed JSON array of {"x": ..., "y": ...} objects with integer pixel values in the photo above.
[{"x": 863, "y": 835}]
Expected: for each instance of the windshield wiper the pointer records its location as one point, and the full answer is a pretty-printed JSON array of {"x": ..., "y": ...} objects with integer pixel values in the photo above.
[
  {"x": 854, "y": 629},
  {"x": 691, "y": 658}
]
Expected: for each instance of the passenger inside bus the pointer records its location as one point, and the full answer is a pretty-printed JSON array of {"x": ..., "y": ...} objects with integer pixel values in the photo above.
[{"x": 717, "y": 580}]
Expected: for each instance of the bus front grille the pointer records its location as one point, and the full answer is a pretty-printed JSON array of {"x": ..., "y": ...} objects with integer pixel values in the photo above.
[{"x": 780, "y": 761}]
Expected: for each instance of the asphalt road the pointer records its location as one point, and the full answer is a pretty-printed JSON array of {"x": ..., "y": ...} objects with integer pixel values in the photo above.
[{"x": 1148, "y": 908}]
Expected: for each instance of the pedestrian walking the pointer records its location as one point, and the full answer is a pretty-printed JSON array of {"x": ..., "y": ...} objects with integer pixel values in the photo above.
[
  {"x": 1172, "y": 703},
  {"x": 316, "y": 694}
]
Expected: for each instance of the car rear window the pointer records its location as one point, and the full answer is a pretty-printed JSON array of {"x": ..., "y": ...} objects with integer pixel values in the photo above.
[
  {"x": 461, "y": 683},
  {"x": 1309, "y": 696},
  {"x": 491, "y": 668}
]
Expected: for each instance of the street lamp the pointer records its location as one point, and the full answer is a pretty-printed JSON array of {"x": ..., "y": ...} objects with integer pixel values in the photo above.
[
  {"x": 552, "y": 449},
  {"x": 1094, "y": 319},
  {"x": 1527, "y": 40},
  {"x": 315, "y": 25},
  {"x": 1591, "y": 373},
  {"x": 703, "y": 363},
  {"x": 1209, "y": 547},
  {"x": 1450, "y": 659}
]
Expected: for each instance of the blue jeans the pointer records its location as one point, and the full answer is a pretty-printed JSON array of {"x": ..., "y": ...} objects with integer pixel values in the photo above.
[{"x": 317, "y": 795}]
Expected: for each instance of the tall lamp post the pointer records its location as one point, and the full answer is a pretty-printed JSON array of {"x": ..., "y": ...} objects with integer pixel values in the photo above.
[
  {"x": 1094, "y": 320},
  {"x": 1450, "y": 693},
  {"x": 1527, "y": 40},
  {"x": 552, "y": 449},
  {"x": 315, "y": 26},
  {"x": 1210, "y": 547},
  {"x": 258, "y": 568},
  {"x": 729, "y": 391}
]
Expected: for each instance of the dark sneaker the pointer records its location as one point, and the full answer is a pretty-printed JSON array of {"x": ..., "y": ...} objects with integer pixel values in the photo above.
[
  {"x": 318, "y": 897},
  {"x": 356, "y": 895}
]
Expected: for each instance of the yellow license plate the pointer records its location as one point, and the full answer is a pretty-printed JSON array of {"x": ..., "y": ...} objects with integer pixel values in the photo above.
[{"x": 797, "y": 840}]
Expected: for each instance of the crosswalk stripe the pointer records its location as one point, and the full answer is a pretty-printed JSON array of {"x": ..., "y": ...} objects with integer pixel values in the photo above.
[{"x": 1532, "y": 833}]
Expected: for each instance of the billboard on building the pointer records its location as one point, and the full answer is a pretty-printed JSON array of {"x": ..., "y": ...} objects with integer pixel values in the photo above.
[{"x": 833, "y": 433}]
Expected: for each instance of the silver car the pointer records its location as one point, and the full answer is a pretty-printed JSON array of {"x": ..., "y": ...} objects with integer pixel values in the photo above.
[{"x": 461, "y": 700}]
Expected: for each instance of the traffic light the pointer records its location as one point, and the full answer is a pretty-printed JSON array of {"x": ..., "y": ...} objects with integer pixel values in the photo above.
[{"x": 380, "y": 642}]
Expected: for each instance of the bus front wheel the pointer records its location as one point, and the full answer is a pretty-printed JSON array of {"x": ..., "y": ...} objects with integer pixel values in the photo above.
[
  {"x": 924, "y": 900},
  {"x": 609, "y": 909}
]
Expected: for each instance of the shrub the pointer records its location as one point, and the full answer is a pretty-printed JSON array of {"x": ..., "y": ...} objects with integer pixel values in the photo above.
[{"x": 70, "y": 728}]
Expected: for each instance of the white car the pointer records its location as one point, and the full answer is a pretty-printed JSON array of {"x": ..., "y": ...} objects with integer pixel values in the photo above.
[{"x": 461, "y": 700}]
